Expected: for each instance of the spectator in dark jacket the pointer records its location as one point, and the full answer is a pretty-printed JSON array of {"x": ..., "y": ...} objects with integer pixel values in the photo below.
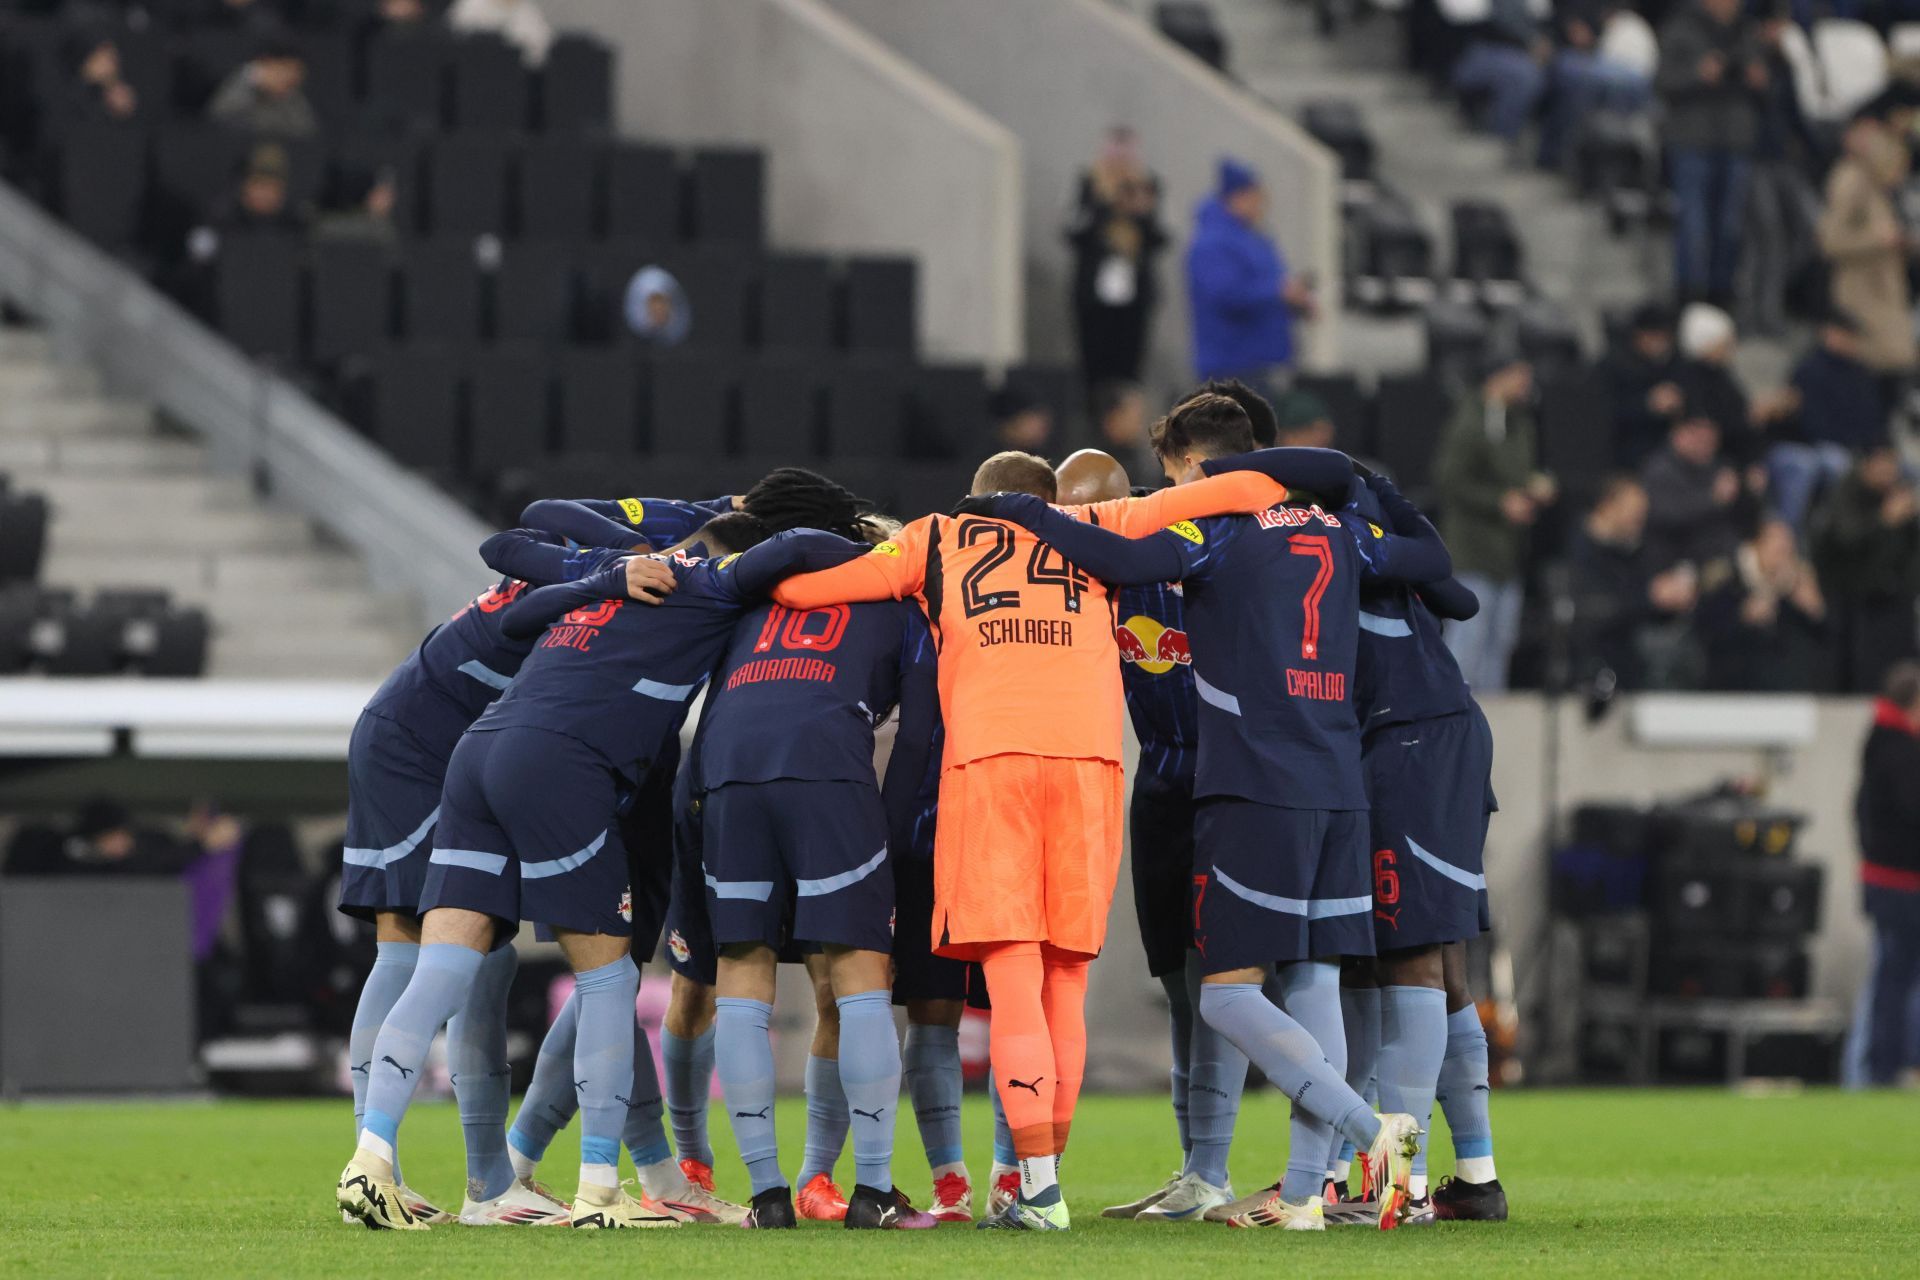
[
  {"x": 1691, "y": 496},
  {"x": 260, "y": 203},
  {"x": 1617, "y": 598},
  {"x": 1843, "y": 414},
  {"x": 1712, "y": 69},
  {"x": 1762, "y": 618},
  {"x": 1117, "y": 239},
  {"x": 1641, "y": 388},
  {"x": 1240, "y": 294},
  {"x": 1707, "y": 374},
  {"x": 1865, "y": 535},
  {"x": 1888, "y": 812},
  {"x": 1507, "y": 61},
  {"x": 267, "y": 94},
  {"x": 99, "y": 89},
  {"x": 1587, "y": 75}
]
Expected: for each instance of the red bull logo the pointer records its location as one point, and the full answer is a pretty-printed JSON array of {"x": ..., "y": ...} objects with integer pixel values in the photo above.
[{"x": 1151, "y": 645}]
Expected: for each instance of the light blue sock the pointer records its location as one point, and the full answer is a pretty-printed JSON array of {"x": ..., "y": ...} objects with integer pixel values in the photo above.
[
  {"x": 930, "y": 1070},
  {"x": 603, "y": 1065},
  {"x": 689, "y": 1084},
  {"x": 481, "y": 1076},
  {"x": 392, "y": 966},
  {"x": 551, "y": 1100},
  {"x": 1464, "y": 1087},
  {"x": 441, "y": 979},
  {"x": 1215, "y": 1080},
  {"x": 1413, "y": 1042},
  {"x": 645, "y": 1135},
  {"x": 1003, "y": 1152},
  {"x": 744, "y": 1051},
  {"x": 1360, "y": 1011},
  {"x": 1310, "y": 991},
  {"x": 869, "y": 1071},
  {"x": 1180, "y": 1026},
  {"x": 827, "y": 1119},
  {"x": 1290, "y": 1058}
]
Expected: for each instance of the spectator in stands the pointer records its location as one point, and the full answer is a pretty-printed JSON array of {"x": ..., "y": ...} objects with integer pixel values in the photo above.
[
  {"x": 519, "y": 22},
  {"x": 1021, "y": 420},
  {"x": 1628, "y": 619},
  {"x": 1763, "y": 619},
  {"x": 1842, "y": 414},
  {"x": 657, "y": 310},
  {"x": 105, "y": 840},
  {"x": 363, "y": 209},
  {"x": 1708, "y": 377},
  {"x": 260, "y": 203},
  {"x": 1490, "y": 496},
  {"x": 99, "y": 89},
  {"x": 1603, "y": 62},
  {"x": 1865, "y": 245},
  {"x": 1240, "y": 293},
  {"x": 1507, "y": 64},
  {"x": 1119, "y": 412},
  {"x": 1692, "y": 495},
  {"x": 1303, "y": 420},
  {"x": 1711, "y": 67},
  {"x": 266, "y": 95},
  {"x": 1888, "y": 812},
  {"x": 1865, "y": 539},
  {"x": 1643, "y": 393},
  {"x": 1117, "y": 238}
]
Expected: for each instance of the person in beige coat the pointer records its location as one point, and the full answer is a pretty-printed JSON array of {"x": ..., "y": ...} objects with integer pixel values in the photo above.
[{"x": 1866, "y": 247}]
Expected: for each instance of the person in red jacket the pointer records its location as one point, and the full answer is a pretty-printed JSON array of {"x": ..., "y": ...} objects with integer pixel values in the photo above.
[{"x": 1888, "y": 808}]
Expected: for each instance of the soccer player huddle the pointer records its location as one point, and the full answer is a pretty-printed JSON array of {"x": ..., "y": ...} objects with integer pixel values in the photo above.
[{"x": 1308, "y": 817}]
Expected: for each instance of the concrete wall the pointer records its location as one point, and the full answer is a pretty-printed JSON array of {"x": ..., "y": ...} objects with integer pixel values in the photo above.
[
  {"x": 1059, "y": 73},
  {"x": 866, "y": 153}
]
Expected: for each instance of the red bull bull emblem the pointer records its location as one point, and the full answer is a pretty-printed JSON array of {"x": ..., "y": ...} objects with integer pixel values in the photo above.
[{"x": 1151, "y": 645}]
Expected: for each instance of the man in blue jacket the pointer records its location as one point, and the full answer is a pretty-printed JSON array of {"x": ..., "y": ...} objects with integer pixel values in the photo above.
[{"x": 1239, "y": 292}]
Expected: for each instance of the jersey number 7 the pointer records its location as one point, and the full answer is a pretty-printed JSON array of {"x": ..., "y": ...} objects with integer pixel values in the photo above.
[{"x": 1315, "y": 545}]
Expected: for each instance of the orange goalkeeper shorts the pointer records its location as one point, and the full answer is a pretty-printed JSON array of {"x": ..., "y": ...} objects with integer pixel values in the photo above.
[{"x": 1027, "y": 850}]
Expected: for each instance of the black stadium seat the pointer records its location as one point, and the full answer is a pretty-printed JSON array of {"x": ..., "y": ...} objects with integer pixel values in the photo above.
[
  {"x": 717, "y": 284},
  {"x": 1191, "y": 25},
  {"x": 796, "y": 303},
  {"x": 410, "y": 405},
  {"x": 946, "y": 411},
  {"x": 1411, "y": 412},
  {"x": 689, "y": 404},
  {"x": 180, "y": 645},
  {"x": 780, "y": 408},
  {"x": 466, "y": 185},
  {"x": 576, "y": 85},
  {"x": 440, "y": 292},
  {"x": 256, "y": 293},
  {"x": 508, "y": 407},
  {"x": 555, "y": 189},
  {"x": 1576, "y": 431},
  {"x": 23, "y": 536},
  {"x": 101, "y": 181},
  {"x": 533, "y": 293},
  {"x": 880, "y": 305},
  {"x": 866, "y": 407},
  {"x": 643, "y": 194},
  {"x": 599, "y": 400},
  {"x": 403, "y": 72},
  {"x": 352, "y": 290},
  {"x": 727, "y": 187},
  {"x": 605, "y": 271},
  {"x": 488, "y": 83},
  {"x": 1055, "y": 386}
]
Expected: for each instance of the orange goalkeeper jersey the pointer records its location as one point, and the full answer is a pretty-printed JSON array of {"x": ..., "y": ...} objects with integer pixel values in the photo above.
[{"x": 1027, "y": 658}]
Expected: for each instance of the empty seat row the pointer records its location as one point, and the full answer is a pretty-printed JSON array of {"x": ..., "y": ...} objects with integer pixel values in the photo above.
[
  {"x": 472, "y": 414},
  {"x": 117, "y": 632},
  {"x": 115, "y": 183},
  {"x": 279, "y": 296}
]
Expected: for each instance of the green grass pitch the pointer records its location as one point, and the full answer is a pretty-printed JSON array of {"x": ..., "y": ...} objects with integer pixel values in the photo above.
[{"x": 1602, "y": 1183}]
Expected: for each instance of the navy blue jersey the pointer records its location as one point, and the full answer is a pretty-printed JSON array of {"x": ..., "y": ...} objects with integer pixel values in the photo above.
[
  {"x": 618, "y": 674},
  {"x": 799, "y": 693},
  {"x": 1405, "y": 671},
  {"x": 1156, "y": 670}
]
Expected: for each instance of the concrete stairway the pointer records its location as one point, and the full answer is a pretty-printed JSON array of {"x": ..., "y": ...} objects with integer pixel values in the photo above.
[{"x": 133, "y": 506}]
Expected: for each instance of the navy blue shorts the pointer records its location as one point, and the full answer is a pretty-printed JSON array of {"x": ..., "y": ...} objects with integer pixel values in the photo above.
[
  {"x": 1160, "y": 821},
  {"x": 690, "y": 949},
  {"x": 1432, "y": 791},
  {"x": 918, "y": 974},
  {"x": 819, "y": 846},
  {"x": 528, "y": 832},
  {"x": 646, "y": 829},
  {"x": 1273, "y": 885},
  {"x": 393, "y": 800}
]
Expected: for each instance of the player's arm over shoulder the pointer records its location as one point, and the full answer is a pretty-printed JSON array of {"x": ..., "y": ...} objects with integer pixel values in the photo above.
[
  {"x": 1235, "y": 493},
  {"x": 893, "y": 570}
]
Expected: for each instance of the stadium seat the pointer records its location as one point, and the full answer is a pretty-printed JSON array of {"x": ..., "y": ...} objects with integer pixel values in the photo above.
[
  {"x": 1338, "y": 125},
  {"x": 555, "y": 184},
  {"x": 728, "y": 195},
  {"x": 509, "y": 407},
  {"x": 718, "y": 283},
  {"x": 202, "y": 60},
  {"x": 488, "y": 85},
  {"x": 1547, "y": 336},
  {"x": 599, "y": 401},
  {"x": 403, "y": 78},
  {"x": 689, "y": 405},
  {"x": 796, "y": 303},
  {"x": 605, "y": 271},
  {"x": 914, "y": 489},
  {"x": 1055, "y": 386},
  {"x": 533, "y": 293},
  {"x": 866, "y": 408},
  {"x": 1576, "y": 431},
  {"x": 194, "y": 165},
  {"x": 1191, "y": 25},
  {"x": 255, "y": 295},
  {"x": 330, "y": 74},
  {"x": 351, "y": 283},
  {"x": 643, "y": 194},
  {"x": 881, "y": 308},
  {"x": 440, "y": 293},
  {"x": 576, "y": 85},
  {"x": 466, "y": 185},
  {"x": 1410, "y": 410},
  {"x": 85, "y": 642},
  {"x": 101, "y": 180},
  {"x": 1457, "y": 337},
  {"x": 1392, "y": 251},
  {"x": 410, "y": 405},
  {"x": 352, "y": 156},
  {"x": 1349, "y": 406},
  {"x": 780, "y": 408},
  {"x": 1852, "y": 66},
  {"x": 23, "y": 536},
  {"x": 1486, "y": 252},
  {"x": 946, "y": 411}
]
